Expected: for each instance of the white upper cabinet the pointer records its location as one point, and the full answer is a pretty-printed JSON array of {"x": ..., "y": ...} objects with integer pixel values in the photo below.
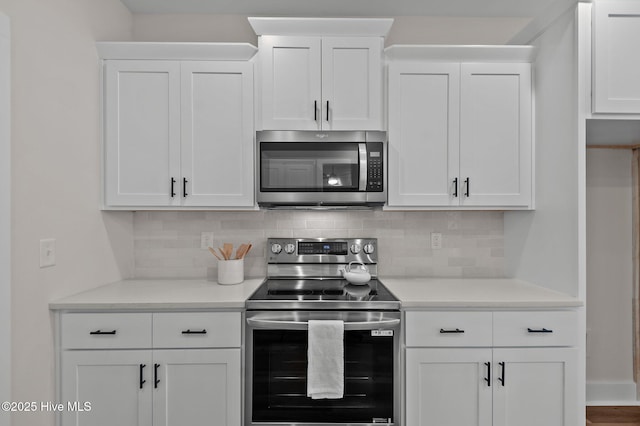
[
  {"x": 460, "y": 134},
  {"x": 616, "y": 59},
  {"x": 495, "y": 135},
  {"x": 328, "y": 83},
  {"x": 217, "y": 133},
  {"x": 321, "y": 74},
  {"x": 142, "y": 132},
  {"x": 424, "y": 101},
  {"x": 178, "y": 133}
]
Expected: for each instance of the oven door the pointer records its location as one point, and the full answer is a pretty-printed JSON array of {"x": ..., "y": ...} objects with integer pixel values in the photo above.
[{"x": 276, "y": 357}]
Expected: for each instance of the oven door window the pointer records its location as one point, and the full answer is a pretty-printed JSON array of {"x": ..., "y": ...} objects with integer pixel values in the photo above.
[
  {"x": 280, "y": 385},
  {"x": 309, "y": 167}
]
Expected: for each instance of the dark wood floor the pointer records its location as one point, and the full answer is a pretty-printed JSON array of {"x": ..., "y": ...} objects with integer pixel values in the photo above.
[{"x": 613, "y": 416}]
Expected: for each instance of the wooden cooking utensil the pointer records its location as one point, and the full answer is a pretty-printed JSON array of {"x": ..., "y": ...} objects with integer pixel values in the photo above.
[
  {"x": 213, "y": 252},
  {"x": 228, "y": 250}
]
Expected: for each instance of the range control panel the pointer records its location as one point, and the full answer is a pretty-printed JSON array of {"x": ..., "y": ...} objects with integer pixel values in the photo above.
[{"x": 322, "y": 250}]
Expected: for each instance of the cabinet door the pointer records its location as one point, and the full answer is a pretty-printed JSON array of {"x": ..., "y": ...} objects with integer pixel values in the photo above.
[
  {"x": 291, "y": 82},
  {"x": 448, "y": 387},
  {"x": 217, "y": 134},
  {"x": 142, "y": 132},
  {"x": 616, "y": 70},
  {"x": 423, "y": 134},
  {"x": 495, "y": 134},
  {"x": 112, "y": 381},
  {"x": 198, "y": 387},
  {"x": 352, "y": 83},
  {"x": 536, "y": 387}
]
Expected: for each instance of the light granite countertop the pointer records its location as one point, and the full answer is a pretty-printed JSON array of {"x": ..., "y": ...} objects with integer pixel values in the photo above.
[
  {"x": 160, "y": 294},
  {"x": 414, "y": 293},
  {"x": 475, "y": 293}
]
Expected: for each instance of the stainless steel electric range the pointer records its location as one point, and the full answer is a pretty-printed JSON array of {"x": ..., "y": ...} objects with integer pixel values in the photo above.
[{"x": 304, "y": 282}]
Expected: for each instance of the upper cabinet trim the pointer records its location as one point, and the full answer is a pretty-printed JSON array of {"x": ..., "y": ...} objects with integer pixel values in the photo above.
[
  {"x": 451, "y": 53},
  {"x": 359, "y": 27},
  {"x": 176, "y": 51}
]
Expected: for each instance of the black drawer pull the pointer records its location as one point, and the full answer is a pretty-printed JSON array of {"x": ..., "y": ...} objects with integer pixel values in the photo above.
[
  {"x": 456, "y": 331},
  {"x": 203, "y": 331},
  {"x": 103, "y": 333},
  {"x": 488, "y": 378},
  {"x": 155, "y": 375},
  {"x": 142, "y": 380},
  {"x": 539, "y": 330},
  {"x": 501, "y": 378}
]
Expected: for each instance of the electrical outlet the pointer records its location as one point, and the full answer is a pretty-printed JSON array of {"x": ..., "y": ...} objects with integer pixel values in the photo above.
[
  {"x": 47, "y": 252},
  {"x": 206, "y": 240},
  {"x": 436, "y": 240}
]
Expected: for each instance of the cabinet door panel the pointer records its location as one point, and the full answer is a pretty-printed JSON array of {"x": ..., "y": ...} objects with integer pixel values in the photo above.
[
  {"x": 446, "y": 387},
  {"x": 291, "y": 82},
  {"x": 539, "y": 387},
  {"x": 616, "y": 85},
  {"x": 110, "y": 381},
  {"x": 200, "y": 387},
  {"x": 423, "y": 134},
  {"x": 495, "y": 134},
  {"x": 217, "y": 133},
  {"x": 142, "y": 132},
  {"x": 352, "y": 83}
]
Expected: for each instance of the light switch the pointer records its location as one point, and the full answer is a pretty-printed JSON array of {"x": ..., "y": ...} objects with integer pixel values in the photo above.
[
  {"x": 206, "y": 240},
  {"x": 47, "y": 252},
  {"x": 436, "y": 240}
]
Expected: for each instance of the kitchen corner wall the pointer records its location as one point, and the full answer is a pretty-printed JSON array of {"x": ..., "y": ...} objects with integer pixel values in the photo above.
[{"x": 167, "y": 244}]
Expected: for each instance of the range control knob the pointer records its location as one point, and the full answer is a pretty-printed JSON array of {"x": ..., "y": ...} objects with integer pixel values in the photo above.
[
  {"x": 276, "y": 248},
  {"x": 369, "y": 248},
  {"x": 289, "y": 248},
  {"x": 355, "y": 248}
]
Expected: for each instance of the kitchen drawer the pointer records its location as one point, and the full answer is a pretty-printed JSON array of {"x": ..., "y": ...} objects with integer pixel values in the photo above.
[
  {"x": 106, "y": 330},
  {"x": 430, "y": 329},
  {"x": 197, "y": 330},
  {"x": 535, "y": 328}
]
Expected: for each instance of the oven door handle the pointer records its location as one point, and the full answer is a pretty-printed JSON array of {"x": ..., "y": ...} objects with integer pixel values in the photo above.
[
  {"x": 362, "y": 153},
  {"x": 303, "y": 325}
]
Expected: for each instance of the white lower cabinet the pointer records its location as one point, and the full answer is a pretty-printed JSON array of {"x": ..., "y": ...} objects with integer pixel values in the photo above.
[
  {"x": 524, "y": 383},
  {"x": 162, "y": 381}
]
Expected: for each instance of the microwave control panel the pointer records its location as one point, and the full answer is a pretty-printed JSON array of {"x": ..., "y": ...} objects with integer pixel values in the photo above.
[{"x": 375, "y": 167}]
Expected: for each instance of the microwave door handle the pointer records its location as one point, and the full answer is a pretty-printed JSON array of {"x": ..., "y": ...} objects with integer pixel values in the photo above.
[
  {"x": 303, "y": 325},
  {"x": 362, "y": 151}
]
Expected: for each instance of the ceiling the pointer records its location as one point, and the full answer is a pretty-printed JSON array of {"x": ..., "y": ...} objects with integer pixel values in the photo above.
[{"x": 337, "y": 8}]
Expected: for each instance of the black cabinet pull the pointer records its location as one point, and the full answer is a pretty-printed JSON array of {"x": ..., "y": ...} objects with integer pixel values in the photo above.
[
  {"x": 327, "y": 110},
  {"x": 501, "y": 378},
  {"x": 457, "y": 330},
  {"x": 488, "y": 378},
  {"x": 103, "y": 333},
  {"x": 315, "y": 110},
  {"x": 455, "y": 187},
  {"x": 155, "y": 375},
  {"x": 184, "y": 187},
  {"x": 173, "y": 191},
  {"x": 539, "y": 330},
  {"x": 203, "y": 331},
  {"x": 466, "y": 182},
  {"x": 142, "y": 380}
]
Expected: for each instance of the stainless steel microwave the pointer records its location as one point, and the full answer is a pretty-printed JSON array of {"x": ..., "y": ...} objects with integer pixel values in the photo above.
[{"x": 321, "y": 169}]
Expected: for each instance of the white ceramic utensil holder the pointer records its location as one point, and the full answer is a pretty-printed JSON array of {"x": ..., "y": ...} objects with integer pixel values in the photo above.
[{"x": 230, "y": 271}]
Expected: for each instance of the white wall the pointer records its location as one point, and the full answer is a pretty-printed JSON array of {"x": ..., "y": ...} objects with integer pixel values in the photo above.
[
  {"x": 405, "y": 29},
  {"x": 609, "y": 276},
  {"x": 5, "y": 219},
  {"x": 55, "y": 159},
  {"x": 542, "y": 246}
]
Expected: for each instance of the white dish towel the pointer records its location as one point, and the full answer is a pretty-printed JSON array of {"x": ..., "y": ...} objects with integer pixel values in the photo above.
[{"x": 325, "y": 368}]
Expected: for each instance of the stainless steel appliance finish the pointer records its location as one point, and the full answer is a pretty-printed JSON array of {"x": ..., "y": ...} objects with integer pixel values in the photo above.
[
  {"x": 321, "y": 169},
  {"x": 304, "y": 283}
]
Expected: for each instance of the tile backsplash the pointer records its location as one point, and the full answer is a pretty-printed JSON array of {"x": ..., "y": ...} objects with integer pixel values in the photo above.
[{"x": 167, "y": 244}]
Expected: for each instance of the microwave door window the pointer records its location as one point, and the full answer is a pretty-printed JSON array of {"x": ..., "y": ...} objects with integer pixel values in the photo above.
[{"x": 309, "y": 167}]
